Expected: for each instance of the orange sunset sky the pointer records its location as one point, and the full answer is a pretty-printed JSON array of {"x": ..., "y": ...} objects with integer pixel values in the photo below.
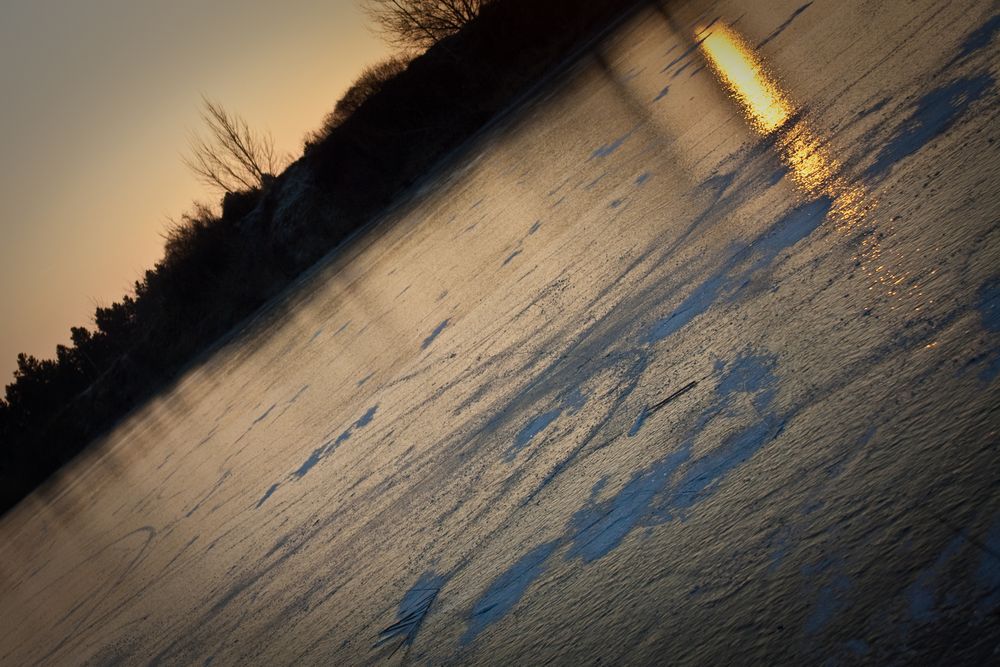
[{"x": 99, "y": 98}]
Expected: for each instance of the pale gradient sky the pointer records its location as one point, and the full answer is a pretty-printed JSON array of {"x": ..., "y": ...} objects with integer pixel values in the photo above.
[{"x": 99, "y": 97}]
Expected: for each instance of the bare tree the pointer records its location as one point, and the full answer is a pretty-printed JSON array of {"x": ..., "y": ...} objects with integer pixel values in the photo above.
[
  {"x": 418, "y": 24},
  {"x": 233, "y": 157}
]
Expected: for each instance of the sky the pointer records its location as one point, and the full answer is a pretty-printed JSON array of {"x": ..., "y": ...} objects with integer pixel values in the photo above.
[{"x": 99, "y": 99}]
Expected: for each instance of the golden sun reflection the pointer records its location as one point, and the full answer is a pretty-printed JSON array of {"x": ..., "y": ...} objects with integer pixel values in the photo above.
[
  {"x": 735, "y": 63},
  {"x": 811, "y": 167}
]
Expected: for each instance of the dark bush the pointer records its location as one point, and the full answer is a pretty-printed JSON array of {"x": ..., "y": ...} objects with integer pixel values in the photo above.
[{"x": 371, "y": 81}]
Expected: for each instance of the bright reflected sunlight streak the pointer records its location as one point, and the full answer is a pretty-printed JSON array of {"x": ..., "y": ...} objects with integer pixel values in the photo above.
[
  {"x": 817, "y": 173},
  {"x": 745, "y": 77}
]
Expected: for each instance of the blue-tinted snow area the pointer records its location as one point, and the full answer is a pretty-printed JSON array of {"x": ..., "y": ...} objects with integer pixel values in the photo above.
[
  {"x": 434, "y": 334},
  {"x": 669, "y": 488},
  {"x": 323, "y": 451},
  {"x": 507, "y": 589},
  {"x": 609, "y": 149},
  {"x": 412, "y": 611},
  {"x": 978, "y": 39},
  {"x": 935, "y": 112},
  {"x": 675, "y": 484},
  {"x": 331, "y": 446},
  {"x": 987, "y": 304},
  {"x": 737, "y": 271},
  {"x": 572, "y": 403}
]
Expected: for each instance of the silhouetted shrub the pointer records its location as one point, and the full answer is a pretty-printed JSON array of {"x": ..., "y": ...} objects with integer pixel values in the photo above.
[{"x": 371, "y": 81}]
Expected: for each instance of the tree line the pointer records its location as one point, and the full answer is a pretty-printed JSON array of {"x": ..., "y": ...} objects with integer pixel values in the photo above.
[{"x": 460, "y": 62}]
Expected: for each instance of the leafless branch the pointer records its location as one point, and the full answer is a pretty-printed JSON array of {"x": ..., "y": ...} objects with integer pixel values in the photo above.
[
  {"x": 233, "y": 157},
  {"x": 418, "y": 24}
]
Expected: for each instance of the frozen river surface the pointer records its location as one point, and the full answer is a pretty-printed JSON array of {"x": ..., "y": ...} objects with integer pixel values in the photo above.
[{"x": 693, "y": 359}]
